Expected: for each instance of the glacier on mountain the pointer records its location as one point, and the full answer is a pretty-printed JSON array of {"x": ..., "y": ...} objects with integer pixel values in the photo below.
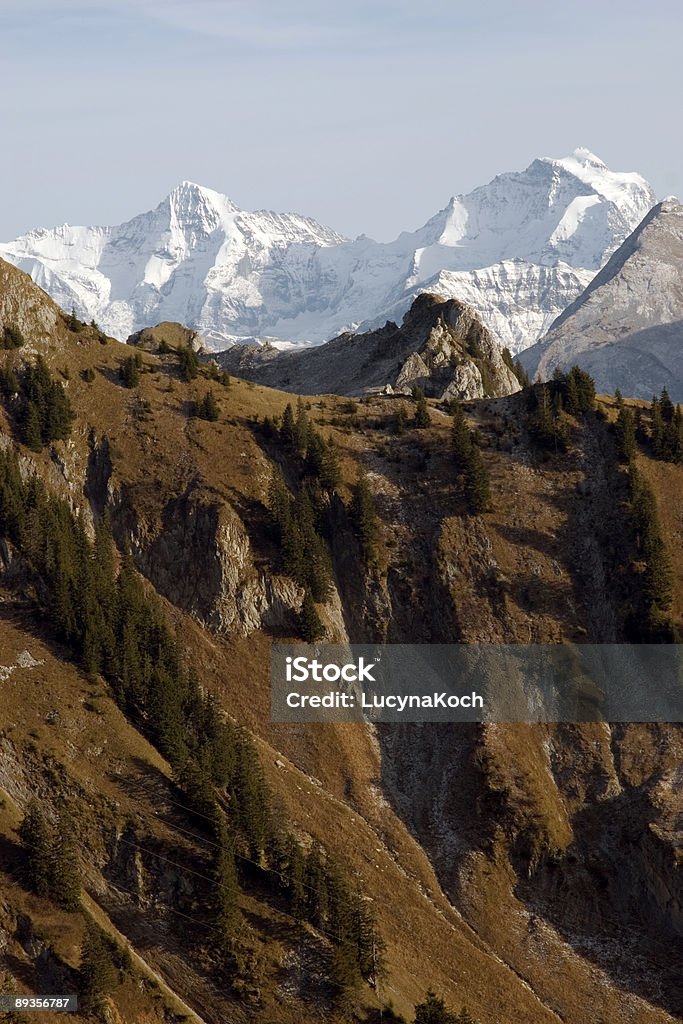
[{"x": 517, "y": 250}]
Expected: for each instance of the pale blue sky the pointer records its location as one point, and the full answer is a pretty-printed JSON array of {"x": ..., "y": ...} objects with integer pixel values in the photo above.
[{"x": 365, "y": 115}]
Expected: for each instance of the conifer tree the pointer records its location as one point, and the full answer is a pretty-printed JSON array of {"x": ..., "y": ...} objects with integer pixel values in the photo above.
[
  {"x": 469, "y": 464},
  {"x": 296, "y": 892},
  {"x": 66, "y": 875},
  {"x": 226, "y": 912},
  {"x": 657, "y": 576},
  {"x": 572, "y": 393},
  {"x": 188, "y": 363},
  {"x": 45, "y": 413},
  {"x": 343, "y": 973},
  {"x": 322, "y": 461},
  {"x": 316, "y": 887},
  {"x": 364, "y": 519},
  {"x": 12, "y": 337},
  {"x": 288, "y": 427},
  {"x": 400, "y": 420},
  {"x": 97, "y": 975},
  {"x": 433, "y": 1010},
  {"x": 207, "y": 407},
  {"x": 279, "y": 501},
  {"x": 667, "y": 429},
  {"x": 546, "y": 425},
  {"x": 301, "y": 430},
  {"x": 460, "y": 435},
  {"x": 249, "y": 796},
  {"x": 31, "y": 428},
  {"x": 666, "y": 406},
  {"x": 129, "y": 371},
  {"x": 310, "y": 624},
  {"x": 36, "y": 839},
  {"x": 625, "y": 428},
  {"x": 421, "y": 418},
  {"x": 477, "y": 488},
  {"x": 330, "y": 470}
]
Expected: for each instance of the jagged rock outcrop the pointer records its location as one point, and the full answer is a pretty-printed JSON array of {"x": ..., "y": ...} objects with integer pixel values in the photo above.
[
  {"x": 24, "y": 306},
  {"x": 441, "y": 346},
  {"x": 197, "y": 554},
  {"x": 626, "y": 328},
  {"x": 167, "y": 333}
]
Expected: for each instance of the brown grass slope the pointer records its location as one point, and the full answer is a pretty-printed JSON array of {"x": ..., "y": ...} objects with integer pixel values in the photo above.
[{"x": 493, "y": 856}]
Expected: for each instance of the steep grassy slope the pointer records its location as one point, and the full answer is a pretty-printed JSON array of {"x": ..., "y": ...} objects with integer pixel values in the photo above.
[{"x": 504, "y": 864}]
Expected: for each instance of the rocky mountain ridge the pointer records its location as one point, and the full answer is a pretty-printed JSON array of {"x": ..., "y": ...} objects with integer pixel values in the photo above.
[
  {"x": 626, "y": 328},
  {"x": 441, "y": 347}
]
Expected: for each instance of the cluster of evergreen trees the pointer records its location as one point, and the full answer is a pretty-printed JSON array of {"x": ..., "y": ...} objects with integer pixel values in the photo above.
[
  {"x": 102, "y": 613},
  {"x": 433, "y": 1010},
  {"x": 575, "y": 389},
  {"x": 364, "y": 520},
  {"x": 188, "y": 362},
  {"x": 207, "y": 408},
  {"x": 516, "y": 367},
  {"x": 421, "y": 417},
  {"x": 315, "y": 457},
  {"x": 469, "y": 465},
  {"x": 666, "y": 422},
  {"x": 664, "y": 435},
  {"x": 318, "y": 893},
  {"x": 548, "y": 405},
  {"x": 625, "y": 430},
  {"x": 98, "y": 971},
  {"x": 652, "y": 622},
  {"x": 72, "y": 322},
  {"x": 42, "y": 408},
  {"x": 129, "y": 371},
  {"x": 300, "y": 523},
  {"x": 11, "y": 338},
  {"x": 304, "y": 555},
  {"x": 546, "y": 424},
  {"x": 50, "y": 866}
]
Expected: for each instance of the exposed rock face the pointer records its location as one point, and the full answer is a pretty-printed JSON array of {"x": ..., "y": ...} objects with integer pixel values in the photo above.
[
  {"x": 626, "y": 328},
  {"x": 198, "y": 555},
  {"x": 441, "y": 346},
  {"x": 24, "y": 306},
  {"x": 167, "y": 333}
]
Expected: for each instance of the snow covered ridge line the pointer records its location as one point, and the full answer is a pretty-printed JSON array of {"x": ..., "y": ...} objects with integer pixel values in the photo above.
[{"x": 518, "y": 250}]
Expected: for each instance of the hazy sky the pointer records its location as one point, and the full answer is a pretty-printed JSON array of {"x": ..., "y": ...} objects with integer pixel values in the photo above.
[{"x": 365, "y": 115}]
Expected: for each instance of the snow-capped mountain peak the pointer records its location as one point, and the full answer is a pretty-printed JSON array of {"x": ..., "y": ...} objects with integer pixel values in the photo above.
[
  {"x": 518, "y": 250},
  {"x": 615, "y": 186},
  {"x": 189, "y": 202}
]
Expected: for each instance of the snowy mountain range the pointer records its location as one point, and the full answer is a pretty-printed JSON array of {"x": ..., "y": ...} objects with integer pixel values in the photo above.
[{"x": 518, "y": 250}]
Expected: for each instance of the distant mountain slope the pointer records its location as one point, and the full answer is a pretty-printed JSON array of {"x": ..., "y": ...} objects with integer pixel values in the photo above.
[
  {"x": 442, "y": 346},
  {"x": 518, "y": 250},
  {"x": 626, "y": 329}
]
